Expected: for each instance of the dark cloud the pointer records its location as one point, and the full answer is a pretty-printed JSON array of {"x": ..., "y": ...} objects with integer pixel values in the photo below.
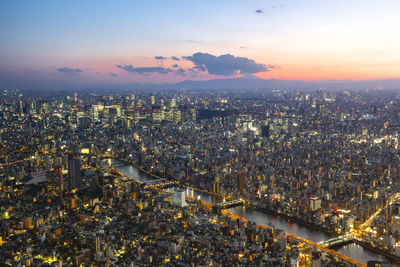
[
  {"x": 69, "y": 71},
  {"x": 180, "y": 72},
  {"x": 160, "y": 57},
  {"x": 144, "y": 70},
  {"x": 225, "y": 65},
  {"x": 113, "y": 74},
  {"x": 175, "y": 65},
  {"x": 242, "y": 47},
  {"x": 259, "y": 11},
  {"x": 175, "y": 58},
  {"x": 200, "y": 68}
]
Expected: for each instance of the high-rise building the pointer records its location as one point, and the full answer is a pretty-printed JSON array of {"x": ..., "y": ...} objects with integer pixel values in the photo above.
[
  {"x": 240, "y": 183},
  {"x": 153, "y": 99},
  {"x": 315, "y": 203},
  {"x": 28, "y": 222},
  {"x": 178, "y": 197},
  {"x": 94, "y": 111},
  {"x": 32, "y": 109},
  {"x": 316, "y": 259},
  {"x": 98, "y": 243},
  {"x": 173, "y": 103},
  {"x": 265, "y": 131},
  {"x": 21, "y": 107},
  {"x": 74, "y": 173},
  {"x": 55, "y": 182},
  {"x": 84, "y": 122}
]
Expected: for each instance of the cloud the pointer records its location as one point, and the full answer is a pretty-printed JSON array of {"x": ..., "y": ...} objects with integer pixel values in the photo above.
[
  {"x": 69, "y": 71},
  {"x": 144, "y": 70},
  {"x": 113, "y": 74},
  {"x": 175, "y": 58},
  {"x": 160, "y": 57},
  {"x": 259, "y": 11},
  {"x": 180, "y": 72},
  {"x": 194, "y": 41},
  {"x": 199, "y": 68},
  {"x": 175, "y": 65},
  {"x": 225, "y": 65}
]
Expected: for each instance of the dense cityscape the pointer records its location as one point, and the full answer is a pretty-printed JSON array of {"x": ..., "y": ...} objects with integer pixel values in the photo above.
[
  {"x": 327, "y": 160},
  {"x": 199, "y": 133}
]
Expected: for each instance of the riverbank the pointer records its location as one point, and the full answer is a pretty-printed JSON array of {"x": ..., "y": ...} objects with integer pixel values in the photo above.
[
  {"x": 271, "y": 212},
  {"x": 140, "y": 168},
  {"x": 392, "y": 257},
  {"x": 295, "y": 219}
]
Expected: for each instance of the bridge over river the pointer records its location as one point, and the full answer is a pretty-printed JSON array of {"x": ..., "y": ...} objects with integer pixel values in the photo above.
[
  {"x": 353, "y": 253},
  {"x": 337, "y": 241}
]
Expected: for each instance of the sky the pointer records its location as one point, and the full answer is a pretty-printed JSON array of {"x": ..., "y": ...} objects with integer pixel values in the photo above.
[{"x": 97, "y": 42}]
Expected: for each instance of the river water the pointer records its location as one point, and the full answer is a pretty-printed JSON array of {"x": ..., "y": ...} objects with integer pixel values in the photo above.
[{"x": 353, "y": 251}]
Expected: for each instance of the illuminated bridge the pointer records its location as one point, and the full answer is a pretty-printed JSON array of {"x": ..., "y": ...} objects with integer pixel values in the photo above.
[
  {"x": 155, "y": 182},
  {"x": 337, "y": 241},
  {"x": 350, "y": 261},
  {"x": 328, "y": 250},
  {"x": 229, "y": 204}
]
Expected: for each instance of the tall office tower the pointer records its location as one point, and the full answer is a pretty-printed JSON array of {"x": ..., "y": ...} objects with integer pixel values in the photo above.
[
  {"x": 94, "y": 112},
  {"x": 32, "y": 109},
  {"x": 21, "y": 107},
  {"x": 173, "y": 103},
  {"x": 241, "y": 183},
  {"x": 74, "y": 173},
  {"x": 178, "y": 197},
  {"x": 55, "y": 182},
  {"x": 265, "y": 131},
  {"x": 153, "y": 99}
]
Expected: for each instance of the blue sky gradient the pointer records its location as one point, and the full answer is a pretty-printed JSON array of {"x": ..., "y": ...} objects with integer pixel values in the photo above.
[{"x": 310, "y": 40}]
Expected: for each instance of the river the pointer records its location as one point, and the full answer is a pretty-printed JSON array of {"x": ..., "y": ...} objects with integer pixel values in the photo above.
[{"x": 353, "y": 250}]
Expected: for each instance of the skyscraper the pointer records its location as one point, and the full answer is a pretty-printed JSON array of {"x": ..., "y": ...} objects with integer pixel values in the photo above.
[
  {"x": 240, "y": 183},
  {"x": 74, "y": 173},
  {"x": 55, "y": 182}
]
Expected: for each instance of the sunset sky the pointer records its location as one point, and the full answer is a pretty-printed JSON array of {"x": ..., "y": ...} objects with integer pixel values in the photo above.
[{"x": 95, "y": 42}]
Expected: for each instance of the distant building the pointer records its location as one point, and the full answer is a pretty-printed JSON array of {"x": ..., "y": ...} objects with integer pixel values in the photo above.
[
  {"x": 374, "y": 264},
  {"x": 55, "y": 182},
  {"x": 74, "y": 172},
  {"x": 241, "y": 183},
  {"x": 179, "y": 197},
  {"x": 315, "y": 203},
  {"x": 34, "y": 178},
  {"x": 84, "y": 122},
  {"x": 316, "y": 259},
  {"x": 265, "y": 131}
]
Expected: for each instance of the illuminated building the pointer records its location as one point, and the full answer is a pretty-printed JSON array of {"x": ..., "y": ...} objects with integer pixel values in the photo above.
[
  {"x": 74, "y": 173},
  {"x": 55, "y": 182},
  {"x": 240, "y": 183}
]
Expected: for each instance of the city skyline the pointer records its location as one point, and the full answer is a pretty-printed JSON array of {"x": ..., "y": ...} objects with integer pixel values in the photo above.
[
  {"x": 188, "y": 133},
  {"x": 73, "y": 44}
]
